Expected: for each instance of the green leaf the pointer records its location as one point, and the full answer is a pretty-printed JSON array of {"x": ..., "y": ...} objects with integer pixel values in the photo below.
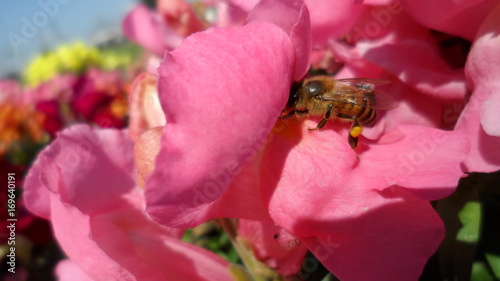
[
  {"x": 480, "y": 272},
  {"x": 459, "y": 214},
  {"x": 494, "y": 263},
  {"x": 470, "y": 217}
]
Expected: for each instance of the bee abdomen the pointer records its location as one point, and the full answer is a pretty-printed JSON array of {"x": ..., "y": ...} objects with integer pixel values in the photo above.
[{"x": 367, "y": 117}]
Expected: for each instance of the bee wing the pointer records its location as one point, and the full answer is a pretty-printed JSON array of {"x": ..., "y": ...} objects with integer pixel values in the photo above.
[
  {"x": 348, "y": 91},
  {"x": 363, "y": 83}
]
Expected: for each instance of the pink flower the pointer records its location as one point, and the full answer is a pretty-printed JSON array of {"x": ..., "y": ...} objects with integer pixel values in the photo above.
[
  {"x": 84, "y": 184},
  {"x": 98, "y": 97},
  {"x": 222, "y": 154},
  {"x": 10, "y": 91},
  {"x": 52, "y": 119},
  {"x": 60, "y": 87}
]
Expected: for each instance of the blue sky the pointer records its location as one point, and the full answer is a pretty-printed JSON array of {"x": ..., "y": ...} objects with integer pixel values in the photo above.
[{"x": 28, "y": 27}]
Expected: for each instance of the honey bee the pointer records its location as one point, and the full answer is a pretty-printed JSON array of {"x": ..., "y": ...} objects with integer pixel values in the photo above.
[{"x": 355, "y": 100}]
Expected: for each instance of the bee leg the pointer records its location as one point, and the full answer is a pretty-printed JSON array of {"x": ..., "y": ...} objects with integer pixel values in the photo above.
[
  {"x": 293, "y": 112},
  {"x": 354, "y": 133},
  {"x": 325, "y": 118}
]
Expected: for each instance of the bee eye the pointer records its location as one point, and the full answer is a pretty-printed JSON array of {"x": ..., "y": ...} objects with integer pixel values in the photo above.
[
  {"x": 294, "y": 94},
  {"x": 314, "y": 88}
]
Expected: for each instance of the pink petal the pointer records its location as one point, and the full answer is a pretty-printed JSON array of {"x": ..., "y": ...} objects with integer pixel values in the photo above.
[
  {"x": 35, "y": 195},
  {"x": 241, "y": 199},
  {"x": 293, "y": 18},
  {"x": 67, "y": 270},
  {"x": 81, "y": 156},
  {"x": 461, "y": 18},
  {"x": 392, "y": 240},
  {"x": 147, "y": 29},
  {"x": 124, "y": 243},
  {"x": 273, "y": 245},
  {"x": 484, "y": 155},
  {"x": 332, "y": 19},
  {"x": 483, "y": 71},
  {"x": 221, "y": 99},
  {"x": 116, "y": 238},
  {"x": 425, "y": 161},
  {"x": 424, "y": 69},
  {"x": 291, "y": 162},
  {"x": 489, "y": 112},
  {"x": 360, "y": 206},
  {"x": 354, "y": 64}
]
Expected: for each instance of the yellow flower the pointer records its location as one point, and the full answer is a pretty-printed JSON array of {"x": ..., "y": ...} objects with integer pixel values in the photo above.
[{"x": 74, "y": 58}]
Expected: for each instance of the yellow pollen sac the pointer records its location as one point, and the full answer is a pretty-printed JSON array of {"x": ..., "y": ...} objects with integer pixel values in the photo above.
[{"x": 356, "y": 131}]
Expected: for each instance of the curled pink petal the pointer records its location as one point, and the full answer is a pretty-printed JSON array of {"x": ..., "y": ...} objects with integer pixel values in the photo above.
[
  {"x": 221, "y": 99},
  {"x": 483, "y": 71},
  {"x": 293, "y": 18}
]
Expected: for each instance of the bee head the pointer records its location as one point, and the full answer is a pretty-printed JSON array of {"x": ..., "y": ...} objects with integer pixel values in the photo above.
[
  {"x": 293, "y": 98},
  {"x": 313, "y": 88}
]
